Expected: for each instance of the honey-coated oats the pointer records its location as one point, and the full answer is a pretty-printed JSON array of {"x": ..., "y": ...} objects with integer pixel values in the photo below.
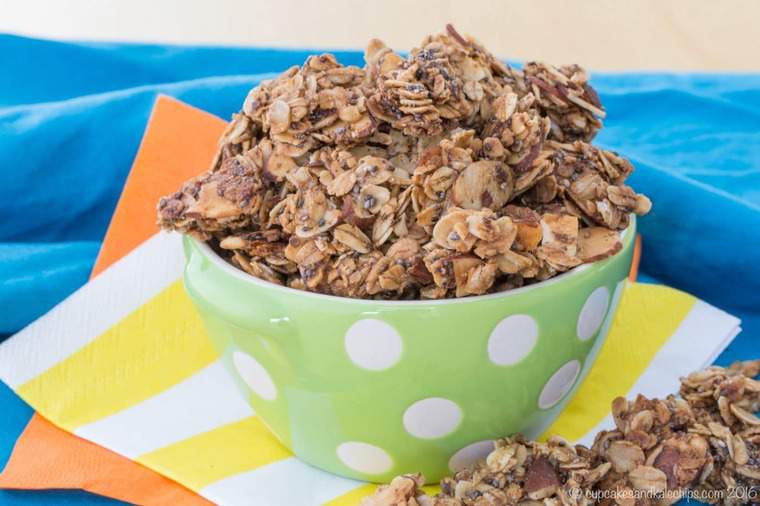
[
  {"x": 704, "y": 442},
  {"x": 445, "y": 173}
]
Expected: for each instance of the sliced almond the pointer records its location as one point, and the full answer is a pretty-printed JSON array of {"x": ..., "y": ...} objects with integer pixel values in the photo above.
[
  {"x": 401, "y": 490},
  {"x": 439, "y": 181},
  {"x": 725, "y": 410},
  {"x": 739, "y": 453},
  {"x": 752, "y": 472},
  {"x": 451, "y": 231},
  {"x": 461, "y": 267},
  {"x": 559, "y": 243},
  {"x": 263, "y": 271},
  {"x": 744, "y": 415},
  {"x": 624, "y": 456},
  {"x": 372, "y": 198},
  {"x": 597, "y": 243},
  {"x": 232, "y": 242},
  {"x": 352, "y": 237},
  {"x": 278, "y": 166},
  {"x": 278, "y": 116},
  {"x": 643, "y": 421},
  {"x": 648, "y": 478},
  {"x": 374, "y": 170},
  {"x": 479, "y": 280},
  {"x": 403, "y": 249},
  {"x": 211, "y": 205},
  {"x": 620, "y": 407},
  {"x": 560, "y": 230},
  {"x": 325, "y": 223},
  {"x": 500, "y": 240},
  {"x": 501, "y": 459},
  {"x": 342, "y": 183},
  {"x": 427, "y": 216},
  {"x": 511, "y": 262},
  {"x": 383, "y": 226},
  {"x": 482, "y": 184}
]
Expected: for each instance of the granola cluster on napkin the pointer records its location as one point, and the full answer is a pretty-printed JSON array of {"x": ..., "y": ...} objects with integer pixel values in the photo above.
[
  {"x": 704, "y": 445},
  {"x": 444, "y": 173}
]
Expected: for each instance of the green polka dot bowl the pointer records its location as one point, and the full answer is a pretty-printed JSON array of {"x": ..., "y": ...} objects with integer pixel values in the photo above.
[{"x": 370, "y": 389}]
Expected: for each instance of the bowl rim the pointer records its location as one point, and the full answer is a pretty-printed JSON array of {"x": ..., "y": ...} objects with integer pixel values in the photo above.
[{"x": 625, "y": 237}]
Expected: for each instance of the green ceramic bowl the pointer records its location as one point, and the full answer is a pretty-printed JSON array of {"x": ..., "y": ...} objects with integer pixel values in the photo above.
[{"x": 371, "y": 389}]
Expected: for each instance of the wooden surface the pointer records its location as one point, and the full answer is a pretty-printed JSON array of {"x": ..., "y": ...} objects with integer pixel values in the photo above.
[{"x": 600, "y": 34}]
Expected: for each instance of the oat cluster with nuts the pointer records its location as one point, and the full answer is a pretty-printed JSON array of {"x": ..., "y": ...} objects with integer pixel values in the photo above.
[
  {"x": 707, "y": 442},
  {"x": 445, "y": 173}
]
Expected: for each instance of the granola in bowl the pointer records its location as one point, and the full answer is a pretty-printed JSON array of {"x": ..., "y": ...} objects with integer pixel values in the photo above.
[{"x": 444, "y": 173}]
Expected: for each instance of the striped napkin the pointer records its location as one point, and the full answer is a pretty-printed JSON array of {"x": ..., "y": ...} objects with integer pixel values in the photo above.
[{"x": 124, "y": 362}]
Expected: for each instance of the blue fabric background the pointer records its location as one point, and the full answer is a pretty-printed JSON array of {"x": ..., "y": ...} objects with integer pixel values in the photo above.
[{"x": 72, "y": 115}]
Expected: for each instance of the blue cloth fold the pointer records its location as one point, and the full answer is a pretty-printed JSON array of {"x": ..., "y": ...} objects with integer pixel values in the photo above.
[{"x": 72, "y": 115}]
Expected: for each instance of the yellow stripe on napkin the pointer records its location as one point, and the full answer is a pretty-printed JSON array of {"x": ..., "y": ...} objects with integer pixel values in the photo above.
[
  {"x": 153, "y": 348},
  {"x": 217, "y": 454}
]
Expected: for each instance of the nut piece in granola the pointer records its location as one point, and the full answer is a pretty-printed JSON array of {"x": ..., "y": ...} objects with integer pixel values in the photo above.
[{"x": 402, "y": 491}]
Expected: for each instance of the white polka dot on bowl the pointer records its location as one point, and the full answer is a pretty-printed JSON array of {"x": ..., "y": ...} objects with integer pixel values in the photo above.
[
  {"x": 432, "y": 418},
  {"x": 470, "y": 454},
  {"x": 254, "y": 375},
  {"x": 559, "y": 384},
  {"x": 592, "y": 314},
  {"x": 512, "y": 339},
  {"x": 364, "y": 457},
  {"x": 373, "y": 344}
]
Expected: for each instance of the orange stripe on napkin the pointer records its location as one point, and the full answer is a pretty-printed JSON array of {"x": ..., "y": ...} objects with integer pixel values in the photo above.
[
  {"x": 164, "y": 161},
  {"x": 45, "y": 456},
  {"x": 634, "y": 272}
]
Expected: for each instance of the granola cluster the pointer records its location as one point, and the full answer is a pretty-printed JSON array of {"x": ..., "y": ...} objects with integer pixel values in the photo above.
[
  {"x": 706, "y": 441},
  {"x": 445, "y": 173}
]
